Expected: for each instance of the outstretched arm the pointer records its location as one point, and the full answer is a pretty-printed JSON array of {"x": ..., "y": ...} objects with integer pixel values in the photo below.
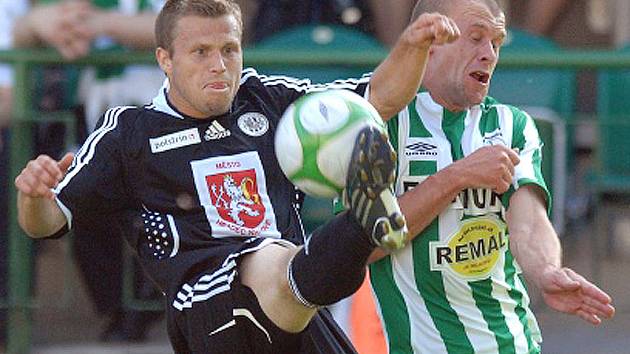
[
  {"x": 38, "y": 213},
  {"x": 396, "y": 80},
  {"x": 489, "y": 167},
  {"x": 536, "y": 248}
]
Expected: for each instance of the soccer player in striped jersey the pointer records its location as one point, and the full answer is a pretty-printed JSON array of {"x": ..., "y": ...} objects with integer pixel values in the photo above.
[
  {"x": 470, "y": 185},
  {"x": 215, "y": 222}
]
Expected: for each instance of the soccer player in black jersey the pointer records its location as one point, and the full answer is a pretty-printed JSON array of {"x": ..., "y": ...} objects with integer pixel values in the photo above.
[{"x": 214, "y": 221}]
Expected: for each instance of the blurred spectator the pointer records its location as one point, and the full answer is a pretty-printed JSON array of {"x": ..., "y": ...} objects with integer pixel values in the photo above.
[
  {"x": 390, "y": 18},
  {"x": 283, "y": 14},
  {"x": 249, "y": 11},
  {"x": 9, "y": 10},
  {"x": 383, "y": 19},
  {"x": 621, "y": 19},
  {"x": 542, "y": 15},
  {"x": 74, "y": 28}
]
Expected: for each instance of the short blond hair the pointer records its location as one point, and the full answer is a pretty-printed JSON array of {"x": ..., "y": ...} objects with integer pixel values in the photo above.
[
  {"x": 444, "y": 7},
  {"x": 173, "y": 10}
]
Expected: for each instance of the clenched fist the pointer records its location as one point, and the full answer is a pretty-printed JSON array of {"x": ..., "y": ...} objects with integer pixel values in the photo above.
[
  {"x": 41, "y": 175},
  {"x": 429, "y": 29}
]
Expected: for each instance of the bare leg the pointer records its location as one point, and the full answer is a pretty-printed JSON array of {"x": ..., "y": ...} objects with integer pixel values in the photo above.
[{"x": 265, "y": 272}]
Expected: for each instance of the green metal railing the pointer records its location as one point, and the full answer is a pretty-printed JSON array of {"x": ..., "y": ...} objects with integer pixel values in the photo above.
[{"x": 23, "y": 61}]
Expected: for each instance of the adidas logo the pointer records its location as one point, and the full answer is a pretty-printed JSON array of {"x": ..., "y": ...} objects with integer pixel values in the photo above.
[{"x": 216, "y": 131}]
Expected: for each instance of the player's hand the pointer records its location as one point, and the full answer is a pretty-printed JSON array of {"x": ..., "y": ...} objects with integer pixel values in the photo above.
[
  {"x": 429, "y": 29},
  {"x": 489, "y": 167},
  {"x": 42, "y": 174},
  {"x": 566, "y": 291}
]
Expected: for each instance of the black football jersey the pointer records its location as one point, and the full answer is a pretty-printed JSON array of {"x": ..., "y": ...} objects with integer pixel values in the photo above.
[{"x": 191, "y": 186}]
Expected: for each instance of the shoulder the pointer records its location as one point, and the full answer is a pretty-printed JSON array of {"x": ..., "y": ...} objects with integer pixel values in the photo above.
[
  {"x": 122, "y": 114},
  {"x": 490, "y": 104},
  {"x": 126, "y": 119},
  {"x": 117, "y": 115}
]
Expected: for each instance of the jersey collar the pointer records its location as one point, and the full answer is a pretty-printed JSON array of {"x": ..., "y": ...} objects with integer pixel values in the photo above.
[{"x": 160, "y": 102}]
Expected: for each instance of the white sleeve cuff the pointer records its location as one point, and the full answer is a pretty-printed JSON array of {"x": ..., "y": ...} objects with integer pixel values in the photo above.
[{"x": 65, "y": 211}]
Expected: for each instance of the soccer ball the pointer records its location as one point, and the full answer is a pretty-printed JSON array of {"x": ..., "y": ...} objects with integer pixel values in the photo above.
[{"x": 315, "y": 138}]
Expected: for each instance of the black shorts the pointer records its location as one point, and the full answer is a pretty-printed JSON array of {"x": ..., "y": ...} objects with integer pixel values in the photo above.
[{"x": 231, "y": 321}]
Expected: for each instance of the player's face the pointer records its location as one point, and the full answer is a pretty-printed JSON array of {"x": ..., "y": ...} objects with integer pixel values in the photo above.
[
  {"x": 204, "y": 65},
  {"x": 458, "y": 74}
]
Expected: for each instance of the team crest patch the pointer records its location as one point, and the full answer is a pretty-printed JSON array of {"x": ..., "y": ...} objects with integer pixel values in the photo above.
[
  {"x": 235, "y": 195},
  {"x": 253, "y": 124},
  {"x": 233, "y": 192}
]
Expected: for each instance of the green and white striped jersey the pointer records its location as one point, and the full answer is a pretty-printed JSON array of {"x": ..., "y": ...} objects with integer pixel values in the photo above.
[{"x": 457, "y": 288}]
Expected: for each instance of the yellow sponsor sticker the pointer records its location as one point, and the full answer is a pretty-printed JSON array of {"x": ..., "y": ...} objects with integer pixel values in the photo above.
[{"x": 473, "y": 251}]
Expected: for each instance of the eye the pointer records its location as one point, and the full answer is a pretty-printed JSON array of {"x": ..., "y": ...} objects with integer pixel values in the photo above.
[
  {"x": 476, "y": 37},
  {"x": 200, "y": 51},
  {"x": 230, "y": 49}
]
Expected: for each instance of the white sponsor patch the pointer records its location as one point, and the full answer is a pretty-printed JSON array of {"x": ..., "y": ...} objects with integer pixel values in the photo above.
[
  {"x": 175, "y": 140},
  {"x": 233, "y": 191}
]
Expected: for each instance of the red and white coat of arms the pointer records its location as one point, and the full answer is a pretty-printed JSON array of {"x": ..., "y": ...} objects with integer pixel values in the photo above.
[{"x": 233, "y": 191}]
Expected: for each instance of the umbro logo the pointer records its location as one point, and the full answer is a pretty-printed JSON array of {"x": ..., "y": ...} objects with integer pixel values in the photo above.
[
  {"x": 421, "y": 149},
  {"x": 494, "y": 138},
  {"x": 216, "y": 131}
]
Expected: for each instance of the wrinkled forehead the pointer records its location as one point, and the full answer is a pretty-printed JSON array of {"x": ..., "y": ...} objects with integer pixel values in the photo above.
[{"x": 477, "y": 15}]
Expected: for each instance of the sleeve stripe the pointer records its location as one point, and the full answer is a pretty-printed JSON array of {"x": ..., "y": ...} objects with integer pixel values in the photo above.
[
  {"x": 304, "y": 85},
  {"x": 89, "y": 141},
  {"x": 339, "y": 84},
  {"x": 526, "y": 169},
  {"x": 88, "y": 149}
]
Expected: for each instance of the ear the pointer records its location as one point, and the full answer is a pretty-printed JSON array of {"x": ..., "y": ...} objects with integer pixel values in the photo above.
[{"x": 164, "y": 60}]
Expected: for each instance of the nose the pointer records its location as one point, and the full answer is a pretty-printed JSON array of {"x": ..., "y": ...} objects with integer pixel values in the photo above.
[
  {"x": 216, "y": 62},
  {"x": 488, "y": 52}
]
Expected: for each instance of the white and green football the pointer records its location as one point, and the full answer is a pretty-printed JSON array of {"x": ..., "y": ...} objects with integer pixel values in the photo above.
[{"x": 315, "y": 138}]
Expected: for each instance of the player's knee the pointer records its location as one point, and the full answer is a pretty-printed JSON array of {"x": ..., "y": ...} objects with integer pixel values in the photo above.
[
  {"x": 264, "y": 271},
  {"x": 315, "y": 287}
]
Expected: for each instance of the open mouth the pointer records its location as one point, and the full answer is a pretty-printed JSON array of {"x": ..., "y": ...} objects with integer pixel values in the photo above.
[
  {"x": 217, "y": 85},
  {"x": 481, "y": 77}
]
